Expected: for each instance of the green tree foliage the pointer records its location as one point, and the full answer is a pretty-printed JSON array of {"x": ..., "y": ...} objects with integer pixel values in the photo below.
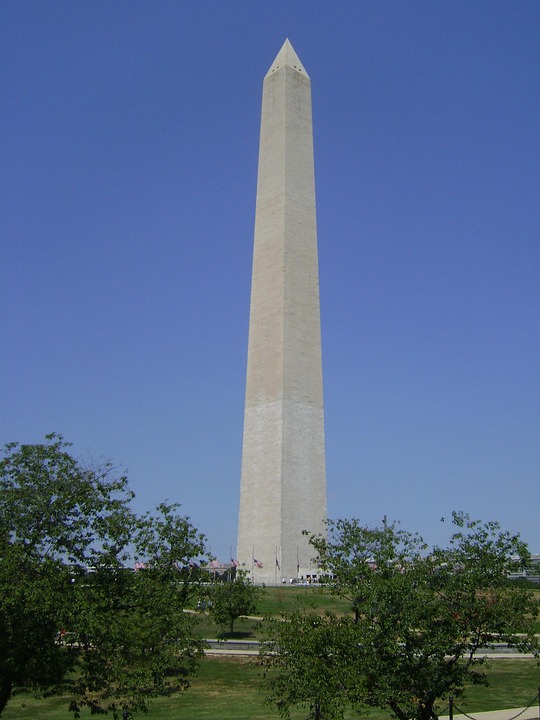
[
  {"x": 309, "y": 660},
  {"x": 74, "y": 614},
  {"x": 230, "y": 600},
  {"x": 422, "y": 617},
  {"x": 419, "y": 617}
]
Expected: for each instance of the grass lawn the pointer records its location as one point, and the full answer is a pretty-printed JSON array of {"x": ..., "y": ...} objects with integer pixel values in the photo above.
[
  {"x": 512, "y": 683},
  {"x": 286, "y": 599},
  {"x": 276, "y": 600},
  {"x": 230, "y": 689},
  {"x": 291, "y": 598}
]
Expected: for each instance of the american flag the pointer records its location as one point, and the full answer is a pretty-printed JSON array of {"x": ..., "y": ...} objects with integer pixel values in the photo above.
[
  {"x": 235, "y": 562},
  {"x": 257, "y": 563}
]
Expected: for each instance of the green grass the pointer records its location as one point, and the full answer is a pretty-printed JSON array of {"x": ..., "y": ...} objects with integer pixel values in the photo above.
[
  {"x": 231, "y": 689},
  {"x": 286, "y": 599},
  {"x": 276, "y": 600},
  {"x": 244, "y": 629},
  {"x": 513, "y": 683}
]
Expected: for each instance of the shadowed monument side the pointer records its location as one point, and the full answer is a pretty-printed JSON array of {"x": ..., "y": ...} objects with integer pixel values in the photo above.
[{"x": 283, "y": 485}]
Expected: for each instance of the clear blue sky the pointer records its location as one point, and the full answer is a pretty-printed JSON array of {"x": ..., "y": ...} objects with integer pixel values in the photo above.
[{"x": 129, "y": 151}]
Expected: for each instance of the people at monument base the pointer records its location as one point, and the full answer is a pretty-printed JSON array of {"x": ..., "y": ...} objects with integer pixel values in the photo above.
[{"x": 307, "y": 580}]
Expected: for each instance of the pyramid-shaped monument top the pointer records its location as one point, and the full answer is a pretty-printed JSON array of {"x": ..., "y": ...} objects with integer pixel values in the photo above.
[{"x": 287, "y": 56}]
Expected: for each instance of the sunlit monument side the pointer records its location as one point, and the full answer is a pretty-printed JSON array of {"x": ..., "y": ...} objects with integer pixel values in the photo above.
[{"x": 283, "y": 485}]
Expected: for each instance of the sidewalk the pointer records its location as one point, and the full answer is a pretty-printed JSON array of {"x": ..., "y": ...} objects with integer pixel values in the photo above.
[{"x": 531, "y": 714}]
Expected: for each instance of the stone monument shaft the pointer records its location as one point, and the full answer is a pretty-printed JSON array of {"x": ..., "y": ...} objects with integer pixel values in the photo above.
[{"x": 283, "y": 486}]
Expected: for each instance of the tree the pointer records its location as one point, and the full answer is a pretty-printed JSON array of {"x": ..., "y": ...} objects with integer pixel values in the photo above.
[
  {"x": 309, "y": 660},
  {"x": 74, "y": 615},
  {"x": 419, "y": 617},
  {"x": 230, "y": 600}
]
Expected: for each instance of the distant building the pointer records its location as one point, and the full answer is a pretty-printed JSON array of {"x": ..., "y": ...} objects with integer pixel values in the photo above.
[{"x": 531, "y": 572}]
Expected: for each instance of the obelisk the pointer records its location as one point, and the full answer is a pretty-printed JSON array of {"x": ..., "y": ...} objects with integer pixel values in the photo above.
[{"x": 283, "y": 485}]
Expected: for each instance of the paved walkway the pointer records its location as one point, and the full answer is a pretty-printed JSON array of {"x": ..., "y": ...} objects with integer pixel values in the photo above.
[{"x": 531, "y": 714}]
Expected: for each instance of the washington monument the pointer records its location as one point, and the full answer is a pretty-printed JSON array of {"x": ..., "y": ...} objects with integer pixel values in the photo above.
[{"x": 283, "y": 486}]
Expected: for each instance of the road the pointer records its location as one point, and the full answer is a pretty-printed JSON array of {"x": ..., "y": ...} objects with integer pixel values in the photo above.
[{"x": 251, "y": 647}]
